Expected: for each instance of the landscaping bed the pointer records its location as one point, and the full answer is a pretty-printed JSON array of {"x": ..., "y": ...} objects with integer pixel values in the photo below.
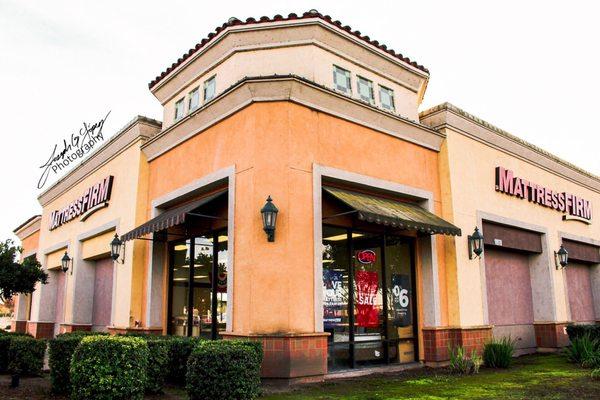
[{"x": 531, "y": 377}]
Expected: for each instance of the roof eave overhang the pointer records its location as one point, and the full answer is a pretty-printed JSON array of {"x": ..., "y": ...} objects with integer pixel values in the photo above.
[
  {"x": 297, "y": 90},
  {"x": 214, "y": 40}
]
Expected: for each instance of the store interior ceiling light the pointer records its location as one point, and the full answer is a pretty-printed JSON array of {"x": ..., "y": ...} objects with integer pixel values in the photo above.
[{"x": 343, "y": 236}]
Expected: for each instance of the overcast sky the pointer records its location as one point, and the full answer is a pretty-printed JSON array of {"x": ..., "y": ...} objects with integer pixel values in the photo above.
[{"x": 531, "y": 68}]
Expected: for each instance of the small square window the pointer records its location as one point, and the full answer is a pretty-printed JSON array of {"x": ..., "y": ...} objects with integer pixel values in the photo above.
[
  {"x": 179, "y": 106},
  {"x": 210, "y": 88},
  {"x": 365, "y": 90},
  {"x": 341, "y": 79},
  {"x": 194, "y": 100},
  {"x": 386, "y": 98}
]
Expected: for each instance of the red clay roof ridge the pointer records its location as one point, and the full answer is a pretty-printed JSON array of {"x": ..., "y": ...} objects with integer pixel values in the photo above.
[{"x": 309, "y": 14}]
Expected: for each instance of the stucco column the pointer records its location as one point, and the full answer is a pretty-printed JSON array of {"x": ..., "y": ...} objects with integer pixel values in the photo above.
[
  {"x": 80, "y": 290},
  {"x": 157, "y": 264}
]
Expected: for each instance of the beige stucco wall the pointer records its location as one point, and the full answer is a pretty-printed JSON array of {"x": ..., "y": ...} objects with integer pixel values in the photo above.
[
  {"x": 470, "y": 181},
  {"x": 308, "y": 61},
  {"x": 81, "y": 240},
  {"x": 274, "y": 283}
]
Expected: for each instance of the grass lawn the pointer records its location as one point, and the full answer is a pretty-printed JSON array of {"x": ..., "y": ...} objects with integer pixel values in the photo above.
[{"x": 531, "y": 377}]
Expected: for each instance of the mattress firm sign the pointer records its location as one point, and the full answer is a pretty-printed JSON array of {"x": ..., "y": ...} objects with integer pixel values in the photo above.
[
  {"x": 93, "y": 199},
  {"x": 574, "y": 207}
]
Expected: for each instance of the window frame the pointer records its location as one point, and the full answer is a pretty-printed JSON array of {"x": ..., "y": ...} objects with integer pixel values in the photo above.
[
  {"x": 370, "y": 86},
  {"x": 347, "y": 75},
  {"x": 391, "y": 93},
  {"x": 204, "y": 86},
  {"x": 182, "y": 102},
  {"x": 190, "y": 94}
]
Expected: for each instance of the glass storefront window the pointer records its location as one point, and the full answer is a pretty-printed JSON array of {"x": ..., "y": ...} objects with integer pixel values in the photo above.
[
  {"x": 399, "y": 275},
  {"x": 335, "y": 295},
  {"x": 368, "y": 298},
  {"x": 180, "y": 274}
]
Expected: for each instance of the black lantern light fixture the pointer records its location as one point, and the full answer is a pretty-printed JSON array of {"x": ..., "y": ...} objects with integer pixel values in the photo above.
[
  {"x": 475, "y": 244},
  {"x": 561, "y": 257},
  {"x": 269, "y": 218},
  {"x": 116, "y": 246},
  {"x": 66, "y": 262}
]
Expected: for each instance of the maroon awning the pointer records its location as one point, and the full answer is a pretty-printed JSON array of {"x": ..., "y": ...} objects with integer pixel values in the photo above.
[
  {"x": 173, "y": 217},
  {"x": 582, "y": 252}
]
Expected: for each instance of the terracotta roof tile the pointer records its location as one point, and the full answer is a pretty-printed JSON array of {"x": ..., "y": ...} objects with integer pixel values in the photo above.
[{"x": 278, "y": 17}]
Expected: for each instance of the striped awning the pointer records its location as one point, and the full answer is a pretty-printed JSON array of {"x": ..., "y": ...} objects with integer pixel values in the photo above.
[
  {"x": 393, "y": 213},
  {"x": 173, "y": 217}
]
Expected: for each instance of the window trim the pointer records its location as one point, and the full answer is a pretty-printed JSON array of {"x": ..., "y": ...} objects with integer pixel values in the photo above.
[
  {"x": 382, "y": 88},
  {"x": 348, "y": 79},
  {"x": 370, "y": 85},
  {"x": 190, "y": 108},
  {"x": 212, "y": 78},
  {"x": 182, "y": 101}
]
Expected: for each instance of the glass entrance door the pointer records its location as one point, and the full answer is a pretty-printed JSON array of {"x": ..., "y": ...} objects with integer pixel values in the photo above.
[
  {"x": 367, "y": 271},
  {"x": 368, "y": 298},
  {"x": 198, "y": 286}
]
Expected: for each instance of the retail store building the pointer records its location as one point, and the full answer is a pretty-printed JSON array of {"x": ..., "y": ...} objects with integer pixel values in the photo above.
[{"x": 369, "y": 260}]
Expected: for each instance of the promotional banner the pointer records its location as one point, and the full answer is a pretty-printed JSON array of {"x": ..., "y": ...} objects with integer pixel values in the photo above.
[
  {"x": 333, "y": 298},
  {"x": 401, "y": 300},
  {"x": 367, "y": 284}
]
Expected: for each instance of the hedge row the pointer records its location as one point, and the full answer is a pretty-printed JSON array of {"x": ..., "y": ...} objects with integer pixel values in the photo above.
[
  {"x": 578, "y": 331},
  {"x": 60, "y": 353},
  {"x": 167, "y": 359},
  {"x": 224, "y": 370},
  {"x": 21, "y": 354},
  {"x": 109, "y": 368},
  {"x": 127, "y": 366}
]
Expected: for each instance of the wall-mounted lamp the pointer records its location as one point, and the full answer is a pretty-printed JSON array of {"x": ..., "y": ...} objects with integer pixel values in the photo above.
[
  {"x": 561, "y": 258},
  {"x": 66, "y": 262},
  {"x": 116, "y": 246},
  {"x": 475, "y": 244},
  {"x": 269, "y": 218}
]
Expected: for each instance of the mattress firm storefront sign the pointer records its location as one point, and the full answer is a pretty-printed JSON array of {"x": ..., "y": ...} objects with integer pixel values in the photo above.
[
  {"x": 573, "y": 206},
  {"x": 93, "y": 199}
]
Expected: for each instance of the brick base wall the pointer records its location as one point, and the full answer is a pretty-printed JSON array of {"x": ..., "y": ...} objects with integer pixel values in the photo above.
[
  {"x": 437, "y": 340},
  {"x": 291, "y": 357},
  {"x": 551, "y": 335},
  {"x": 18, "y": 326},
  {"x": 68, "y": 328},
  {"x": 41, "y": 330}
]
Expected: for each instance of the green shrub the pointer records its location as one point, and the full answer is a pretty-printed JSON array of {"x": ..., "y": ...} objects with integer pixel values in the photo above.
[
  {"x": 109, "y": 368},
  {"x": 61, "y": 351},
  {"x": 583, "y": 350},
  {"x": 576, "y": 331},
  {"x": 225, "y": 369},
  {"x": 461, "y": 363},
  {"x": 5, "y": 338},
  {"x": 180, "y": 348},
  {"x": 499, "y": 353},
  {"x": 26, "y": 355}
]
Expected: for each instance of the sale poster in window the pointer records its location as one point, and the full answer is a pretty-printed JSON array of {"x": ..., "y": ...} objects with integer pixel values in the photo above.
[
  {"x": 401, "y": 300},
  {"x": 333, "y": 298},
  {"x": 367, "y": 284}
]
